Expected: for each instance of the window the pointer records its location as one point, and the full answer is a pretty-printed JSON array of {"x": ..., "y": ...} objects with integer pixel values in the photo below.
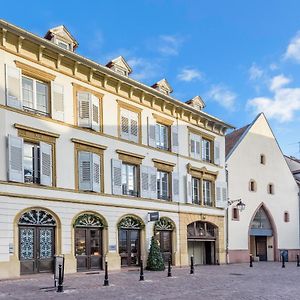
[
  {"x": 270, "y": 189},
  {"x": 206, "y": 150},
  {"x": 63, "y": 44},
  {"x": 129, "y": 180},
  {"x": 196, "y": 190},
  {"x": 235, "y": 214},
  {"x": 286, "y": 217},
  {"x": 129, "y": 127},
  {"x": 262, "y": 159},
  {"x": 162, "y": 136},
  {"x": 207, "y": 190},
  {"x": 252, "y": 186},
  {"x": 31, "y": 163},
  {"x": 195, "y": 145},
  {"x": 163, "y": 185},
  {"x": 35, "y": 95}
]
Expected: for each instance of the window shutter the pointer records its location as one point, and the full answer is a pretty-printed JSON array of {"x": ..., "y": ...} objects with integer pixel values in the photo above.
[
  {"x": 221, "y": 194},
  {"x": 45, "y": 164},
  {"x": 145, "y": 182},
  {"x": 217, "y": 153},
  {"x": 192, "y": 145},
  {"x": 174, "y": 137},
  {"x": 13, "y": 87},
  {"x": 15, "y": 159},
  {"x": 57, "y": 101},
  {"x": 95, "y": 113},
  {"x": 198, "y": 142},
  {"x": 151, "y": 132},
  {"x": 125, "y": 127},
  {"x": 36, "y": 164},
  {"x": 84, "y": 109},
  {"x": 116, "y": 169},
  {"x": 175, "y": 187},
  {"x": 96, "y": 173},
  {"x": 152, "y": 182},
  {"x": 134, "y": 130},
  {"x": 85, "y": 170},
  {"x": 188, "y": 188}
]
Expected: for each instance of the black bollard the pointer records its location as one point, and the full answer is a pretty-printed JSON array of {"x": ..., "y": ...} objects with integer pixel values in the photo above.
[
  {"x": 251, "y": 261},
  {"x": 192, "y": 265},
  {"x": 60, "y": 287},
  {"x": 298, "y": 262},
  {"x": 169, "y": 268},
  {"x": 106, "y": 282},
  {"x": 141, "y": 271},
  {"x": 283, "y": 261}
]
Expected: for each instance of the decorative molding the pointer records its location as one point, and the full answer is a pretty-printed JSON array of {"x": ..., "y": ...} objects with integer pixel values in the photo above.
[
  {"x": 128, "y": 106},
  {"x": 203, "y": 172},
  {"x": 201, "y": 133},
  {"x": 130, "y": 157},
  {"x": 163, "y": 165},
  {"x": 162, "y": 120},
  {"x": 86, "y": 143},
  {"x": 35, "y": 130}
]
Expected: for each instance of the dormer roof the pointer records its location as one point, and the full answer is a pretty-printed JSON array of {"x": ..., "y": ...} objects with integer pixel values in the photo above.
[
  {"x": 120, "y": 65},
  {"x": 163, "y": 86},
  {"x": 197, "y": 103},
  {"x": 61, "y": 33}
]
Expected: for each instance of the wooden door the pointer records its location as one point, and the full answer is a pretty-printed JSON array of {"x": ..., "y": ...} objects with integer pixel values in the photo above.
[
  {"x": 261, "y": 247},
  {"x": 165, "y": 242},
  {"x": 129, "y": 247}
]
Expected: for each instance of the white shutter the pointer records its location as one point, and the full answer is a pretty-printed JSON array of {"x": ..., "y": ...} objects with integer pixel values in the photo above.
[
  {"x": 188, "y": 188},
  {"x": 145, "y": 182},
  {"x": 134, "y": 129},
  {"x": 175, "y": 187},
  {"x": 153, "y": 182},
  {"x": 13, "y": 87},
  {"x": 192, "y": 145},
  {"x": 116, "y": 169},
  {"x": 96, "y": 173},
  {"x": 151, "y": 132},
  {"x": 221, "y": 194},
  {"x": 198, "y": 142},
  {"x": 15, "y": 159},
  {"x": 217, "y": 153},
  {"x": 95, "y": 113},
  {"x": 84, "y": 109},
  {"x": 125, "y": 126},
  {"x": 85, "y": 170},
  {"x": 57, "y": 101},
  {"x": 174, "y": 137},
  {"x": 45, "y": 164}
]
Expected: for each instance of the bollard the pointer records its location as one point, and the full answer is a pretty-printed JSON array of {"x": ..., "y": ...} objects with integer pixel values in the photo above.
[
  {"x": 192, "y": 265},
  {"x": 251, "y": 261},
  {"x": 141, "y": 271},
  {"x": 169, "y": 268},
  {"x": 106, "y": 282},
  {"x": 283, "y": 261},
  {"x": 60, "y": 287},
  {"x": 298, "y": 262}
]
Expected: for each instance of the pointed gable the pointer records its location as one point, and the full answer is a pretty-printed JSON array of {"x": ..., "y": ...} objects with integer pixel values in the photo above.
[
  {"x": 163, "y": 86},
  {"x": 119, "y": 65},
  {"x": 196, "y": 103}
]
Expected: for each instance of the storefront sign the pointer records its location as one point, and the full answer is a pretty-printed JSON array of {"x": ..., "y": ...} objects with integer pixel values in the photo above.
[{"x": 153, "y": 216}]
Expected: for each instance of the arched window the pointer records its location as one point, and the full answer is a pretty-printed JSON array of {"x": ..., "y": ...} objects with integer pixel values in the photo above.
[
  {"x": 286, "y": 217},
  {"x": 262, "y": 159},
  {"x": 252, "y": 185},
  {"x": 271, "y": 189}
]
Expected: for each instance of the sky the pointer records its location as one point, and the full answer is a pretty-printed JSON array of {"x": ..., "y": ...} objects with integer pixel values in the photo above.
[{"x": 241, "y": 57}]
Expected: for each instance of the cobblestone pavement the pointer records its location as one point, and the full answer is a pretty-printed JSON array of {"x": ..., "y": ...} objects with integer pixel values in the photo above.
[{"x": 234, "y": 282}]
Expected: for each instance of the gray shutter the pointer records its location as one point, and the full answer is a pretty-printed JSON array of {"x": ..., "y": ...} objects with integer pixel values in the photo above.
[
  {"x": 198, "y": 147},
  {"x": 13, "y": 79},
  {"x": 217, "y": 153},
  {"x": 125, "y": 126},
  {"x": 174, "y": 137},
  {"x": 192, "y": 145},
  {"x": 153, "y": 182},
  {"x": 45, "y": 164},
  {"x": 57, "y": 101},
  {"x": 188, "y": 188},
  {"x": 116, "y": 169},
  {"x": 85, "y": 170},
  {"x": 96, "y": 173},
  {"x": 84, "y": 109},
  {"x": 221, "y": 194},
  {"x": 15, "y": 159},
  {"x": 151, "y": 132},
  {"x": 95, "y": 113},
  {"x": 175, "y": 187},
  {"x": 134, "y": 129},
  {"x": 145, "y": 182}
]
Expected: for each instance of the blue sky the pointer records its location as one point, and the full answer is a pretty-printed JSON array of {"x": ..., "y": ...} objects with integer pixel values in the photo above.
[{"x": 241, "y": 57}]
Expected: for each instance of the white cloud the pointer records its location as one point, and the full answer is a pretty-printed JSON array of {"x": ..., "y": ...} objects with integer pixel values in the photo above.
[
  {"x": 255, "y": 72},
  {"x": 189, "y": 74},
  {"x": 143, "y": 68},
  {"x": 273, "y": 67},
  {"x": 169, "y": 44},
  {"x": 293, "y": 49},
  {"x": 278, "y": 82},
  {"x": 223, "y": 96}
]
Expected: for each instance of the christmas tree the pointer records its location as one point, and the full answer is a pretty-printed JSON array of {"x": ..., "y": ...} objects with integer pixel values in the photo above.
[{"x": 155, "y": 260}]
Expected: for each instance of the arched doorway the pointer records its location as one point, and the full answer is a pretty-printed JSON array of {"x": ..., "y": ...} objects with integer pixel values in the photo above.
[
  {"x": 261, "y": 234},
  {"x": 129, "y": 241},
  {"x": 88, "y": 242},
  {"x": 163, "y": 229},
  {"x": 201, "y": 239},
  {"x": 36, "y": 241}
]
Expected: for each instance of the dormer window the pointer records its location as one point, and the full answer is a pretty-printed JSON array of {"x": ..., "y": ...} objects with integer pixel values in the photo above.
[
  {"x": 120, "y": 66},
  {"x": 197, "y": 103},
  {"x": 163, "y": 86}
]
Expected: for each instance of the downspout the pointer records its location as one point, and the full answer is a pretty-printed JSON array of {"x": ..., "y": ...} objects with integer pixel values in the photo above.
[{"x": 227, "y": 216}]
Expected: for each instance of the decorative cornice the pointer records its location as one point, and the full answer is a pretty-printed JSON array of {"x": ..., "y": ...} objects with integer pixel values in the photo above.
[
  {"x": 81, "y": 142},
  {"x": 35, "y": 130}
]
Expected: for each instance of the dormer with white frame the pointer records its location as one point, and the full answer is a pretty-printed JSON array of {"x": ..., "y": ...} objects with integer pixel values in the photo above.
[
  {"x": 163, "y": 86},
  {"x": 120, "y": 66},
  {"x": 196, "y": 103}
]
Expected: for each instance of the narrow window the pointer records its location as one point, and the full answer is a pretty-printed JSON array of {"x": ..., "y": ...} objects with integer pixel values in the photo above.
[
  {"x": 163, "y": 185},
  {"x": 207, "y": 197},
  {"x": 235, "y": 214},
  {"x": 270, "y": 189},
  {"x": 162, "y": 136},
  {"x": 286, "y": 217},
  {"x": 129, "y": 180},
  {"x": 196, "y": 190},
  {"x": 206, "y": 150},
  {"x": 252, "y": 186},
  {"x": 262, "y": 159},
  {"x": 31, "y": 163}
]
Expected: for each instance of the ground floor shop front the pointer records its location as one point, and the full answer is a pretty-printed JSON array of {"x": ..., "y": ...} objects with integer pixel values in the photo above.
[{"x": 35, "y": 231}]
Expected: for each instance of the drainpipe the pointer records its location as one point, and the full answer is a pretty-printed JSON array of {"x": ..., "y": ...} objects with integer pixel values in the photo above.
[{"x": 227, "y": 216}]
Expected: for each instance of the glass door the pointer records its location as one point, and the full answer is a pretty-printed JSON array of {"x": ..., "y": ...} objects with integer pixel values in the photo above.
[
  {"x": 165, "y": 241},
  {"x": 129, "y": 247}
]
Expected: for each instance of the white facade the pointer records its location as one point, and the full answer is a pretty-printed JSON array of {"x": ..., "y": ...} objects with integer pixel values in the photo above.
[{"x": 254, "y": 155}]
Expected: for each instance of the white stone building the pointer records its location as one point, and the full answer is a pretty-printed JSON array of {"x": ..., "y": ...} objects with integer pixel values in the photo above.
[
  {"x": 86, "y": 153},
  {"x": 259, "y": 175}
]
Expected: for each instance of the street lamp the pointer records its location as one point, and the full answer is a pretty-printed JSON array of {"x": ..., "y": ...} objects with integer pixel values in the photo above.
[{"x": 240, "y": 204}]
